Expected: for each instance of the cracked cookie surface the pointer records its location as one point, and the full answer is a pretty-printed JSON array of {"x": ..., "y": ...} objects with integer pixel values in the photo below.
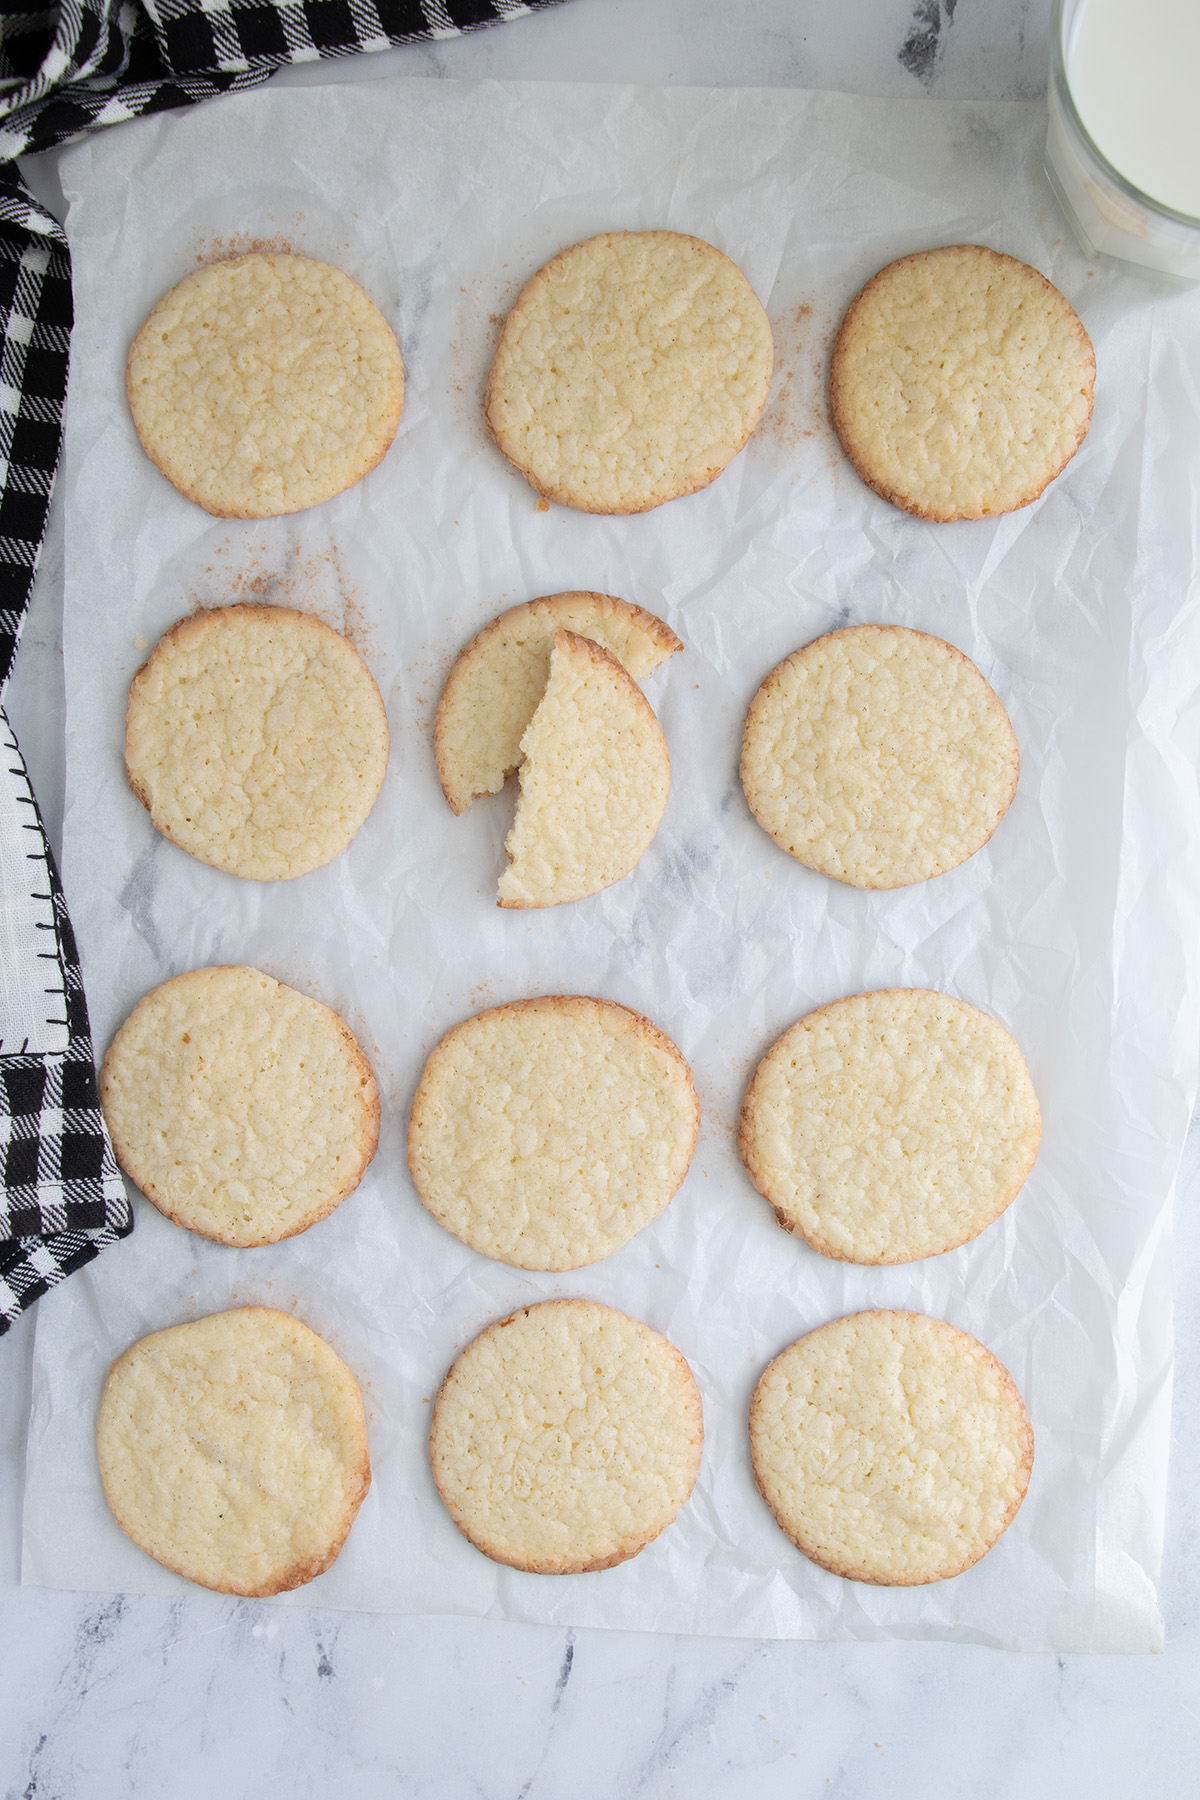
[
  {"x": 265, "y": 384},
  {"x": 890, "y": 1126},
  {"x": 256, "y": 739},
  {"x": 594, "y": 780},
  {"x": 233, "y": 1450},
  {"x": 961, "y": 383},
  {"x": 879, "y": 756},
  {"x": 243, "y": 1110},
  {"x": 548, "y": 1132},
  {"x": 566, "y": 1437},
  {"x": 891, "y": 1447},
  {"x": 630, "y": 371},
  {"x": 497, "y": 682}
]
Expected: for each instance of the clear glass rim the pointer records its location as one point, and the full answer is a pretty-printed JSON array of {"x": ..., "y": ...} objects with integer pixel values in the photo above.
[{"x": 1062, "y": 88}]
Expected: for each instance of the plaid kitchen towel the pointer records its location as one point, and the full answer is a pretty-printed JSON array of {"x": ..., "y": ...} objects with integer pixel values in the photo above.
[
  {"x": 62, "y": 1198},
  {"x": 66, "y": 70}
]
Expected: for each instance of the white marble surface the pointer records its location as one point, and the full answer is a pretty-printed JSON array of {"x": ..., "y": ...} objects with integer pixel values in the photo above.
[{"x": 105, "y": 1697}]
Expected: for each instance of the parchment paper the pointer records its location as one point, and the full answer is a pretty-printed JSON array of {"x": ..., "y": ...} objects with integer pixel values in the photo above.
[{"x": 1076, "y": 927}]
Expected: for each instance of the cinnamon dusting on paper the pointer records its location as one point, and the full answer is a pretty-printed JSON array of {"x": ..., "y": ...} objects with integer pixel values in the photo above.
[
  {"x": 225, "y": 249},
  {"x": 289, "y": 242},
  {"x": 797, "y": 408},
  {"x": 315, "y": 583}
]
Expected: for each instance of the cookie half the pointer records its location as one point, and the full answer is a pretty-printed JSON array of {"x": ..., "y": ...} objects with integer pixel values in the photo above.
[
  {"x": 244, "y": 1110},
  {"x": 594, "y": 780},
  {"x": 892, "y": 1448},
  {"x": 546, "y": 1133},
  {"x": 256, "y": 740},
  {"x": 566, "y": 1437},
  {"x": 890, "y": 1126},
  {"x": 631, "y": 369},
  {"x": 233, "y": 1450},
  {"x": 879, "y": 756},
  {"x": 265, "y": 384},
  {"x": 494, "y": 688},
  {"x": 961, "y": 383}
]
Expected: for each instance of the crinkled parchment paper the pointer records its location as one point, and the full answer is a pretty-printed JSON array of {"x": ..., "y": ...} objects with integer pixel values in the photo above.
[{"x": 1076, "y": 927}]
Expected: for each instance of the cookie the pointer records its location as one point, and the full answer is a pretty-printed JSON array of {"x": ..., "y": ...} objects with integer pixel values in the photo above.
[
  {"x": 632, "y": 368},
  {"x": 961, "y": 383},
  {"x": 256, "y": 740},
  {"x": 879, "y": 756},
  {"x": 233, "y": 1450},
  {"x": 890, "y": 1126},
  {"x": 265, "y": 384},
  {"x": 892, "y": 1448},
  {"x": 547, "y": 1133},
  {"x": 594, "y": 780},
  {"x": 244, "y": 1110},
  {"x": 494, "y": 687},
  {"x": 565, "y": 1438}
]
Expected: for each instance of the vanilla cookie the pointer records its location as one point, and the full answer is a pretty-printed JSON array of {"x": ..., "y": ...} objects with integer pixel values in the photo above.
[
  {"x": 879, "y": 756},
  {"x": 265, "y": 384},
  {"x": 891, "y": 1448},
  {"x": 961, "y": 383},
  {"x": 594, "y": 780},
  {"x": 565, "y": 1438},
  {"x": 890, "y": 1126},
  {"x": 546, "y": 1133},
  {"x": 233, "y": 1450},
  {"x": 631, "y": 369},
  {"x": 244, "y": 1110},
  {"x": 495, "y": 685},
  {"x": 256, "y": 740}
]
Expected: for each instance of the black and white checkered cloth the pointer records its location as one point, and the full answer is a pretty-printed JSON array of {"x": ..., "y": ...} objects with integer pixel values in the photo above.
[
  {"x": 62, "y": 1198},
  {"x": 64, "y": 70}
]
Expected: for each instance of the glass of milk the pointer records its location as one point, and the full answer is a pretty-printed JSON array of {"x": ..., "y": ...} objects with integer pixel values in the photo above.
[{"x": 1123, "y": 144}]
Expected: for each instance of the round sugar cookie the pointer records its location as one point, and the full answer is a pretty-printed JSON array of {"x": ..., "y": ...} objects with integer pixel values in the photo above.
[
  {"x": 566, "y": 1437},
  {"x": 961, "y": 383},
  {"x": 265, "y": 384},
  {"x": 233, "y": 1450},
  {"x": 244, "y": 1110},
  {"x": 256, "y": 740},
  {"x": 498, "y": 680},
  {"x": 631, "y": 369},
  {"x": 547, "y": 1132},
  {"x": 892, "y": 1448},
  {"x": 594, "y": 781},
  {"x": 879, "y": 756},
  {"x": 890, "y": 1126}
]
